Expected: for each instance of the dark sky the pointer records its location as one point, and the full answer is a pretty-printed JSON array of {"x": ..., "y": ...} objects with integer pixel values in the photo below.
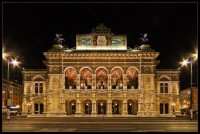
[{"x": 29, "y": 29}]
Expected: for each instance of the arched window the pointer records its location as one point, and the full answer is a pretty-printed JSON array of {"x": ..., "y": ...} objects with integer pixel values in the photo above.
[
  {"x": 70, "y": 78},
  {"x": 101, "y": 78},
  {"x": 117, "y": 78},
  {"x": 132, "y": 78}
]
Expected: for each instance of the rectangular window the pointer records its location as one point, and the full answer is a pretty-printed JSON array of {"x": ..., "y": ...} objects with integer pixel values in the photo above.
[
  {"x": 163, "y": 87},
  {"x": 41, "y": 87},
  {"x": 36, "y": 87},
  {"x": 166, "y": 87}
]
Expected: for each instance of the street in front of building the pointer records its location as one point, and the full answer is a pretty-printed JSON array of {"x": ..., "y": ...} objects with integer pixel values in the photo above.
[{"x": 99, "y": 124}]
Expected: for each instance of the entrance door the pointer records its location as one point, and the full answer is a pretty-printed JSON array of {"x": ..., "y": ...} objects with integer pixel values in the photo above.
[
  {"x": 88, "y": 108},
  {"x": 41, "y": 108},
  {"x": 130, "y": 108},
  {"x": 73, "y": 108},
  {"x": 36, "y": 108},
  {"x": 115, "y": 108},
  {"x": 101, "y": 108}
]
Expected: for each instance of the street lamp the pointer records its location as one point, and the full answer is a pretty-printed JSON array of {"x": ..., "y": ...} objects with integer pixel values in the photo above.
[
  {"x": 14, "y": 62},
  {"x": 184, "y": 63}
]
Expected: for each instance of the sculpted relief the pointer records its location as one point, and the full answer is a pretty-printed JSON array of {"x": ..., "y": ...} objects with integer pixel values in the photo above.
[
  {"x": 55, "y": 70},
  {"x": 147, "y": 82},
  {"x": 173, "y": 87},
  {"x": 55, "y": 82}
]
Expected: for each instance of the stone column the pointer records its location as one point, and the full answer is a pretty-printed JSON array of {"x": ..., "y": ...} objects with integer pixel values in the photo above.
[
  {"x": 94, "y": 112},
  {"x": 158, "y": 105},
  {"x": 109, "y": 106},
  {"x": 124, "y": 82},
  {"x": 78, "y": 82},
  {"x": 124, "y": 109},
  {"x": 49, "y": 103},
  {"x": 78, "y": 106},
  {"x": 62, "y": 104},
  {"x": 152, "y": 82},
  {"x": 178, "y": 112},
  {"x": 109, "y": 82},
  {"x": 93, "y": 82},
  {"x": 170, "y": 106},
  {"x": 139, "y": 81},
  {"x": 140, "y": 111},
  {"x": 62, "y": 82}
]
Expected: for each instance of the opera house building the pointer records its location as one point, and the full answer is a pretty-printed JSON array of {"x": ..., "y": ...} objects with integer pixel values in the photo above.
[{"x": 101, "y": 75}]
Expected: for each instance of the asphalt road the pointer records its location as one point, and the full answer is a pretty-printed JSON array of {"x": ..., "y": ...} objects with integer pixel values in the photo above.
[{"x": 98, "y": 124}]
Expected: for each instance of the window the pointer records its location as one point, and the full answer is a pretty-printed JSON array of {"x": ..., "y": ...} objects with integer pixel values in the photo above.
[
  {"x": 163, "y": 87},
  {"x": 38, "y": 87},
  {"x": 41, "y": 87}
]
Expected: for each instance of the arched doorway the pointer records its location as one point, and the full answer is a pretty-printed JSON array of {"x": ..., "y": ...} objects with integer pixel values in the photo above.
[
  {"x": 70, "y": 78},
  {"x": 70, "y": 107},
  {"x": 101, "y": 78},
  {"x": 117, "y": 78},
  {"x": 132, "y": 78},
  {"x": 87, "y": 106},
  {"x": 116, "y": 107},
  {"x": 101, "y": 106},
  {"x": 132, "y": 107},
  {"x": 86, "y": 79}
]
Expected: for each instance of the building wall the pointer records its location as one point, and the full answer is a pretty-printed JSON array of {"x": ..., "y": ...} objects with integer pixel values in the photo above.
[
  {"x": 147, "y": 99},
  {"x": 185, "y": 98},
  {"x": 101, "y": 76},
  {"x": 15, "y": 90}
]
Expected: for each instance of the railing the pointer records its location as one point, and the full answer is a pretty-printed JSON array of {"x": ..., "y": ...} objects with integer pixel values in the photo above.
[{"x": 99, "y": 90}]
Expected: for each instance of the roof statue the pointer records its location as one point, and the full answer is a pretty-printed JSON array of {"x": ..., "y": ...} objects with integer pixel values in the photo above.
[
  {"x": 59, "y": 39},
  {"x": 144, "y": 40}
]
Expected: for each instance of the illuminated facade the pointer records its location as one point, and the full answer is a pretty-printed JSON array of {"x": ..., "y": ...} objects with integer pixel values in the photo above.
[
  {"x": 185, "y": 98},
  {"x": 15, "y": 93},
  {"x": 101, "y": 76}
]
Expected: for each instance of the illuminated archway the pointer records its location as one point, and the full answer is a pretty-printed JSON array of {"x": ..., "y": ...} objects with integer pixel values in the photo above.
[
  {"x": 132, "y": 106},
  {"x": 101, "y": 106},
  {"x": 70, "y": 78},
  {"x": 117, "y": 78},
  {"x": 86, "y": 78},
  {"x": 132, "y": 78},
  {"x": 101, "y": 78}
]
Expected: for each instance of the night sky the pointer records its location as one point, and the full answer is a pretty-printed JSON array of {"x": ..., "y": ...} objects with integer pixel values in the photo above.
[{"x": 29, "y": 30}]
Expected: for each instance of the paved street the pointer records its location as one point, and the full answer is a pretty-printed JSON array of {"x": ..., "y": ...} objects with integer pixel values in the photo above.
[{"x": 98, "y": 124}]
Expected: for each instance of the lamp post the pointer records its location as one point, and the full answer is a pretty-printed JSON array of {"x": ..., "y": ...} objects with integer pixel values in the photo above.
[
  {"x": 14, "y": 62},
  {"x": 185, "y": 62}
]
